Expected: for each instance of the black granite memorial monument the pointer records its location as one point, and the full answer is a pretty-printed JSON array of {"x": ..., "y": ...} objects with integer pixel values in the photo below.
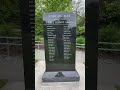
[{"x": 60, "y": 47}]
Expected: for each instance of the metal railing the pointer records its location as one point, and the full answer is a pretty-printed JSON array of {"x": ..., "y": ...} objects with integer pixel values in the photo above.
[
  {"x": 6, "y": 43},
  {"x": 38, "y": 44},
  {"x": 109, "y": 43},
  {"x": 81, "y": 46}
]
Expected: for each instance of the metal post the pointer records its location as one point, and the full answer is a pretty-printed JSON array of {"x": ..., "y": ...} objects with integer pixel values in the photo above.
[{"x": 8, "y": 48}]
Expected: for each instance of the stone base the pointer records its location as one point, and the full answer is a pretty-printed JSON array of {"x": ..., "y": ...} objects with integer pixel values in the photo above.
[{"x": 61, "y": 76}]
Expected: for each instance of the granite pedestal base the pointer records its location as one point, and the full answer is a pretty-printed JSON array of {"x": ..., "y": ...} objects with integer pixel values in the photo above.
[{"x": 61, "y": 76}]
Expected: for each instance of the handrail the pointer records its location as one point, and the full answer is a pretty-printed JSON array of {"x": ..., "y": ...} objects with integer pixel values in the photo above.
[
  {"x": 11, "y": 37},
  {"x": 108, "y": 43},
  {"x": 105, "y": 49},
  {"x": 9, "y": 44},
  {"x": 77, "y": 45}
]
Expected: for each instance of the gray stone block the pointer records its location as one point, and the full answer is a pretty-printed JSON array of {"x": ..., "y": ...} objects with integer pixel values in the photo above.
[{"x": 61, "y": 76}]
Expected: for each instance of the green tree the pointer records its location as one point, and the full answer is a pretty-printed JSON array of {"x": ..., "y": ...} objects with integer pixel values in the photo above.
[
  {"x": 109, "y": 19},
  {"x": 10, "y": 17},
  {"x": 109, "y": 12},
  {"x": 45, "y": 6}
]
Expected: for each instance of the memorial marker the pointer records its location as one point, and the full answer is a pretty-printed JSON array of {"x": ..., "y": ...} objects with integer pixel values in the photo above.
[{"x": 60, "y": 47}]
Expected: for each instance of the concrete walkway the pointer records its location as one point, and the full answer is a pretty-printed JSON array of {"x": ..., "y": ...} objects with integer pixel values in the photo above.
[
  {"x": 40, "y": 68},
  {"x": 11, "y": 68},
  {"x": 108, "y": 74}
]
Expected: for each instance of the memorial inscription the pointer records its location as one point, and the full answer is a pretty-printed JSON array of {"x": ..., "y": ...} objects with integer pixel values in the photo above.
[{"x": 60, "y": 42}]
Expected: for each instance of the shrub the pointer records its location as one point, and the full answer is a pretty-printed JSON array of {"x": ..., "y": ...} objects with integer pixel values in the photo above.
[
  {"x": 80, "y": 40},
  {"x": 109, "y": 33},
  {"x": 37, "y": 38},
  {"x": 80, "y": 30},
  {"x": 8, "y": 30}
]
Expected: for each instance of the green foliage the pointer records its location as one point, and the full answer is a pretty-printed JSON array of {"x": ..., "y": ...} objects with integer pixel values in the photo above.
[
  {"x": 109, "y": 33},
  {"x": 45, "y": 6},
  {"x": 9, "y": 11},
  {"x": 39, "y": 38},
  {"x": 80, "y": 31},
  {"x": 10, "y": 17},
  {"x": 80, "y": 40},
  {"x": 109, "y": 12},
  {"x": 109, "y": 19}
]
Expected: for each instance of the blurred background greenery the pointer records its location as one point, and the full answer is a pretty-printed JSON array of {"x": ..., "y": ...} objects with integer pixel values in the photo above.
[
  {"x": 10, "y": 18},
  {"x": 109, "y": 23},
  {"x": 109, "y": 18},
  {"x": 45, "y": 6}
]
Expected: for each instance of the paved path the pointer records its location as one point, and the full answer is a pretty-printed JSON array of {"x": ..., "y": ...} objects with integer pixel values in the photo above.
[
  {"x": 11, "y": 68},
  {"x": 108, "y": 74},
  {"x": 40, "y": 68}
]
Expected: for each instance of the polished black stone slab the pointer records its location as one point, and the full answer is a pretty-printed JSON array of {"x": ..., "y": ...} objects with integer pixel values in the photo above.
[
  {"x": 60, "y": 45},
  {"x": 59, "y": 37}
]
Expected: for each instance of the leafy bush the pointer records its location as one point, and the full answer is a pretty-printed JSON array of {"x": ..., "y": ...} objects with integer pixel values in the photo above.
[
  {"x": 109, "y": 12},
  {"x": 80, "y": 40},
  {"x": 109, "y": 33},
  {"x": 10, "y": 17},
  {"x": 38, "y": 37},
  {"x": 7, "y": 29},
  {"x": 80, "y": 30},
  {"x": 109, "y": 20}
]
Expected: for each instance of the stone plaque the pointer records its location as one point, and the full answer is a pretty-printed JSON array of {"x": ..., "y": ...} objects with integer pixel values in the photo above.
[{"x": 60, "y": 43}]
